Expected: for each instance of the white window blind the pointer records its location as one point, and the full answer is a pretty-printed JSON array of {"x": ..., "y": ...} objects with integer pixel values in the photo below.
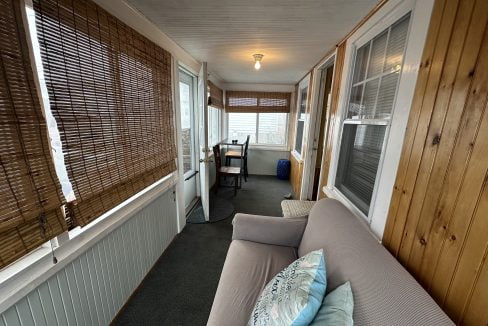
[{"x": 377, "y": 67}]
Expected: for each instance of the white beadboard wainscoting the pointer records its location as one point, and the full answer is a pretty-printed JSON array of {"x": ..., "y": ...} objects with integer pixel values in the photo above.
[{"x": 92, "y": 287}]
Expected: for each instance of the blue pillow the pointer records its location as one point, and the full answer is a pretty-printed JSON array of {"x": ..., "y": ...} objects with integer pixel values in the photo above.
[
  {"x": 337, "y": 308},
  {"x": 294, "y": 295}
]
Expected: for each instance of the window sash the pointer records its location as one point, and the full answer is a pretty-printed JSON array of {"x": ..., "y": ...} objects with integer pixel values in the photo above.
[{"x": 370, "y": 118}]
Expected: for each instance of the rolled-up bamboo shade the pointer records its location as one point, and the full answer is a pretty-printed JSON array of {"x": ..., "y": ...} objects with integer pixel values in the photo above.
[
  {"x": 216, "y": 98},
  {"x": 261, "y": 102},
  {"x": 30, "y": 194},
  {"x": 110, "y": 91}
]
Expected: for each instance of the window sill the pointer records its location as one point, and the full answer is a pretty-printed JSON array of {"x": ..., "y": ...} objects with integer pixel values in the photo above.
[
  {"x": 332, "y": 192},
  {"x": 26, "y": 274},
  {"x": 277, "y": 148},
  {"x": 297, "y": 156}
]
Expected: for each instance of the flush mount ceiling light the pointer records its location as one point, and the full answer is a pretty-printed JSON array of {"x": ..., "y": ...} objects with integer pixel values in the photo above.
[{"x": 257, "y": 60}]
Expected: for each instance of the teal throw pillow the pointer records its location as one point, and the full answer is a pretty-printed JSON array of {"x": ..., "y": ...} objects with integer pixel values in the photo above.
[
  {"x": 294, "y": 295},
  {"x": 337, "y": 308}
]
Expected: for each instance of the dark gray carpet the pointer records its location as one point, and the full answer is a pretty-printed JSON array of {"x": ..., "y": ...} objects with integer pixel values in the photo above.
[
  {"x": 180, "y": 288},
  {"x": 220, "y": 209}
]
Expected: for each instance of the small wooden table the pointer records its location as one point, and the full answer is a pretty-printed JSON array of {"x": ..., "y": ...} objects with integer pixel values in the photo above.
[{"x": 241, "y": 142}]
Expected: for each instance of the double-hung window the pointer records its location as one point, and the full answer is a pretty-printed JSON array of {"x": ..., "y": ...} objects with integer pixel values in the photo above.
[
  {"x": 214, "y": 125},
  {"x": 301, "y": 117},
  {"x": 264, "y": 128},
  {"x": 261, "y": 115},
  {"x": 365, "y": 126}
]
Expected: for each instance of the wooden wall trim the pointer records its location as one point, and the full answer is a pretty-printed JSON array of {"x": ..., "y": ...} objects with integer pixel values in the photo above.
[{"x": 437, "y": 222}]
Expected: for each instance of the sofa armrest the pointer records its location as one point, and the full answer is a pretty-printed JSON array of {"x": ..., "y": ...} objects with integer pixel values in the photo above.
[{"x": 269, "y": 229}]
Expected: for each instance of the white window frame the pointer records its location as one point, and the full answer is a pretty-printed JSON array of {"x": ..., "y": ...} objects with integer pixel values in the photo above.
[
  {"x": 272, "y": 147},
  {"x": 392, "y": 11},
  {"x": 304, "y": 83}
]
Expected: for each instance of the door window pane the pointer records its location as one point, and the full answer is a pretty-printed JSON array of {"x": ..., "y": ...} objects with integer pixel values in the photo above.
[
  {"x": 358, "y": 162},
  {"x": 299, "y": 138},
  {"x": 186, "y": 122},
  {"x": 272, "y": 128},
  {"x": 303, "y": 104},
  {"x": 241, "y": 125}
]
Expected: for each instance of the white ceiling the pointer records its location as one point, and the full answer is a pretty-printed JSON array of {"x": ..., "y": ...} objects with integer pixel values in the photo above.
[{"x": 292, "y": 34}]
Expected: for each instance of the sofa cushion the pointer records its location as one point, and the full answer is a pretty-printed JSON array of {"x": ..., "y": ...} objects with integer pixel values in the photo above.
[
  {"x": 294, "y": 295},
  {"x": 249, "y": 266},
  {"x": 384, "y": 292}
]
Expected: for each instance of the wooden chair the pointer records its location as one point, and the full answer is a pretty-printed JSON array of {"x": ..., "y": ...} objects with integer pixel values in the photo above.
[
  {"x": 225, "y": 170},
  {"x": 236, "y": 154}
]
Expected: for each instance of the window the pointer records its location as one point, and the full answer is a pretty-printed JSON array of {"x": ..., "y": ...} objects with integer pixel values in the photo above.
[
  {"x": 264, "y": 128},
  {"x": 301, "y": 117},
  {"x": 186, "y": 108},
  {"x": 377, "y": 68},
  {"x": 214, "y": 123}
]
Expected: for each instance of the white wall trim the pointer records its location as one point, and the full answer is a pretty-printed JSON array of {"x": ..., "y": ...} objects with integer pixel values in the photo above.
[
  {"x": 421, "y": 11},
  {"x": 135, "y": 19},
  {"x": 20, "y": 278}
]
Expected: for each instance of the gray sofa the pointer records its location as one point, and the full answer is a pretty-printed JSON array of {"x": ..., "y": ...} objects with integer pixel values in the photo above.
[{"x": 384, "y": 292}]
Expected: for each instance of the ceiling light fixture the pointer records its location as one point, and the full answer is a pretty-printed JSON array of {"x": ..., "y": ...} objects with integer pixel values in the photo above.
[{"x": 257, "y": 60}]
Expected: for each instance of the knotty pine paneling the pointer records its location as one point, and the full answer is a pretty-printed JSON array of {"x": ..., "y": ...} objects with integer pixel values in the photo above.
[{"x": 438, "y": 219}]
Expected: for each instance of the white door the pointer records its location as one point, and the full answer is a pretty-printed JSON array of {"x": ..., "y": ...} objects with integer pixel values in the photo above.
[
  {"x": 203, "y": 139},
  {"x": 188, "y": 136}
]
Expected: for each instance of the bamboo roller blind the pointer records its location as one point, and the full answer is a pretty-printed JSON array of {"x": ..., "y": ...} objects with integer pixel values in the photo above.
[
  {"x": 216, "y": 97},
  {"x": 30, "y": 212},
  {"x": 110, "y": 91},
  {"x": 263, "y": 102}
]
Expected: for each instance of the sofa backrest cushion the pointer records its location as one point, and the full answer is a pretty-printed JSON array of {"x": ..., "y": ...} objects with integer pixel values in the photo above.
[{"x": 384, "y": 292}]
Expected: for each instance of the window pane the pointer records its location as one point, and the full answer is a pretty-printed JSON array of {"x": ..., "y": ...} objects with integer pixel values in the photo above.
[
  {"x": 369, "y": 99},
  {"x": 241, "y": 125},
  {"x": 386, "y": 96},
  {"x": 361, "y": 63},
  {"x": 355, "y": 102},
  {"x": 186, "y": 126},
  {"x": 272, "y": 128},
  {"x": 377, "y": 55},
  {"x": 299, "y": 136},
  {"x": 358, "y": 162},
  {"x": 396, "y": 45},
  {"x": 303, "y": 103},
  {"x": 213, "y": 126}
]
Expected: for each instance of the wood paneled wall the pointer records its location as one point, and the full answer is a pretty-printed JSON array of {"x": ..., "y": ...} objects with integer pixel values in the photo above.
[{"x": 438, "y": 219}]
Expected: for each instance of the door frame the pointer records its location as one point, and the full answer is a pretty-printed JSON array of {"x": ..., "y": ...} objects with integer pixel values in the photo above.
[
  {"x": 193, "y": 137},
  {"x": 180, "y": 196},
  {"x": 313, "y": 130}
]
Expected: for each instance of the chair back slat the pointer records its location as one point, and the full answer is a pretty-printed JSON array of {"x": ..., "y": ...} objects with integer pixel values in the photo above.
[
  {"x": 217, "y": 158},
  {"x": 247, "y": 145}
]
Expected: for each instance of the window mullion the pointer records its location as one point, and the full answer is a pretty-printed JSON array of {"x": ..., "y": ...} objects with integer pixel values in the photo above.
[{"x": 257, "y": 128}]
